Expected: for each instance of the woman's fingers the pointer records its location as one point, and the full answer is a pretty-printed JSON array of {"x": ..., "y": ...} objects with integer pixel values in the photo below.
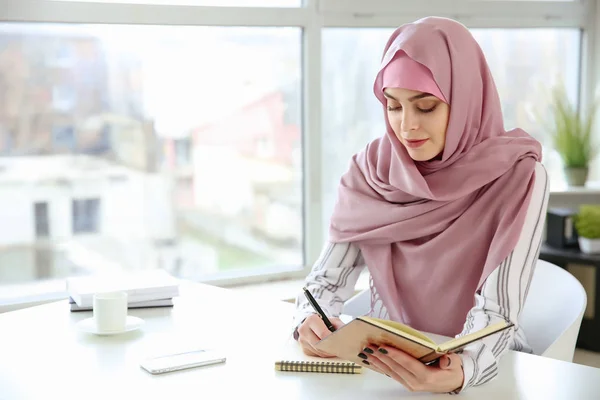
[
  {"x": 307, "y": 340},
  {"x": 406, "y": 361},
  {"x": 311, "y": 331},
  {"x": 389, "y": 371},
  {"x": 337, "y": 323},
  {"x": 450, "y": 361},
  {"x": 318, "y": 326},
  {"x": 320, "y": 329},
  {"x": 412, "y": 373}
]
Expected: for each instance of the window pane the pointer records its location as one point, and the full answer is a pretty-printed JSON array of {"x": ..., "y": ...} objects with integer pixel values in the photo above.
[
  {"x": 40, "y": 212},
  {"x": 221, "y": 3},
  {"x": 352, "y": 116},
  {"x": 149, "y": 147},
  {"x": 85, "y": 214},
  {"x": 523, "y": 61},
  {"x": 525, "y": 64}
]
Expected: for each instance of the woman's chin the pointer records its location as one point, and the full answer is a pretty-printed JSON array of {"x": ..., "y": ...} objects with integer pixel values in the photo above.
[
  {"x": 417, "y": 155},
  {"x": 425, "y": 153}
]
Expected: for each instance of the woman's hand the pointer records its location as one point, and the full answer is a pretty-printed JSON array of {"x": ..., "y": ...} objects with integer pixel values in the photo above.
[
  {"x": 446, "y": 376},
  {"x": 312, "y": 330}
]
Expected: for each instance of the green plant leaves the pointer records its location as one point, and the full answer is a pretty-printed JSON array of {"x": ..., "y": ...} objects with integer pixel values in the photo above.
[
  {"x": 587, "y": 221},
  {"x": 571, "y": 132}
]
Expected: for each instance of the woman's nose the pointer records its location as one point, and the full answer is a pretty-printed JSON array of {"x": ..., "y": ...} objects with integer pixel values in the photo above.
[{"x": 410, "y": 122}]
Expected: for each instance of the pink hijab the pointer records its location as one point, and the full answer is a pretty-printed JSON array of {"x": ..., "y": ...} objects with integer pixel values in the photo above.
[{"x": 431, "y": 232}]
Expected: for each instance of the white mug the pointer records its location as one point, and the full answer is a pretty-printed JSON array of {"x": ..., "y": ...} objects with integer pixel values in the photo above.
[{"x": 110, "y": 311}]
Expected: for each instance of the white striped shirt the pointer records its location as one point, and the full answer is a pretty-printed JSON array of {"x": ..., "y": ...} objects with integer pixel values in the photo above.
[{"x": 334, "y": 275}]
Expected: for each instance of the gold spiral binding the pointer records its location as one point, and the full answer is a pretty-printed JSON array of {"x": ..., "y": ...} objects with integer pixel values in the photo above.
[{"x": 319, "y": 366}]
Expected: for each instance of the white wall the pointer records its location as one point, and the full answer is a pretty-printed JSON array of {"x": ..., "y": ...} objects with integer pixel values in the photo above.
[
  {"x": 17, "y": 209},
  {"x": 16, "y": 215},
  {"x": 60, "y": 199},
  {"x": 22, "y": 264},
  {"x": 123, "y": 211},
  {"x": 159, "y": 210},
  {"x": 139, "y": 207},
  {"x": 136, "y": 206}
]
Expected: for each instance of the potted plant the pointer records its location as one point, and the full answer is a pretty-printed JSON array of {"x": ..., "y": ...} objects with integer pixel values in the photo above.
[
  {"x": 587, "y": 223},
  {"x": 571, "y": 136}
]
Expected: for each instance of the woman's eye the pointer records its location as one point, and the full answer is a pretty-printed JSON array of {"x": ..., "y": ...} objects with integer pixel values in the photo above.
[
  {"x": 390, "y": 108},
  {"x": 427, "y": 110}
]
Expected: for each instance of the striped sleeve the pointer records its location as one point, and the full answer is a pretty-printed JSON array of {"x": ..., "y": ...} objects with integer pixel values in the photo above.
[
  {"x": 503, "y": 296},
  {"x": 332, "y": 280}
]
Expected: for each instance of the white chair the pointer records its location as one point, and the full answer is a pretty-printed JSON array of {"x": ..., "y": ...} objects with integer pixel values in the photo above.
[
  {"x": 359, "y": 304},
  {"x": 550, "y": 319},
  {"x": 553, "y": 312}
]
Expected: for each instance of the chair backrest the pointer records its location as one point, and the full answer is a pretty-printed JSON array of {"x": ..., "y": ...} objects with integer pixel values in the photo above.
[
  {"x": 553, "y": 311},
  {"x": 550, "y": 319},
  {"x": 359, "y": 304}
]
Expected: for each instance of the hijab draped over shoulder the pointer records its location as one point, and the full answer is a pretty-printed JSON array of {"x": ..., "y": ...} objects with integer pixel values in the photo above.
[{"x": 431, "y": 232}]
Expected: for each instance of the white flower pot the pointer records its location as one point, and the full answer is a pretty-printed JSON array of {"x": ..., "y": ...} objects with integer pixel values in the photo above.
[{"x": 589, "y": 246}]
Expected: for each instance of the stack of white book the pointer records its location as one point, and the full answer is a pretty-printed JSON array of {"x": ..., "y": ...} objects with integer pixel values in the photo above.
[{"x": 145, "y": 289}]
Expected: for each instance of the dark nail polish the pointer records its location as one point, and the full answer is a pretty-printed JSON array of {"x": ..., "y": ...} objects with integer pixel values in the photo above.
[
  {"x": 449, "y": 361},
  {"x": 366, "y": 362},
  {"x": 368, "y": 350},
  {"x": 382, "y": 350},
  {"x": 362, "y": 355}
]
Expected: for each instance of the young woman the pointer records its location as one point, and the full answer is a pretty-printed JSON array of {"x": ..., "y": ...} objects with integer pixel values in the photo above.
[{"x": 446, "y": 211}]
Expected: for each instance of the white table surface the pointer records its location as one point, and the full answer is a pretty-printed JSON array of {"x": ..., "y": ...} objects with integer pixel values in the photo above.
[{"x": 44, "y": 356}]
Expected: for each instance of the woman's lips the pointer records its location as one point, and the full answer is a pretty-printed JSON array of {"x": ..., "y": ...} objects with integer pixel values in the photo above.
[{"x": 413, "y": 144}]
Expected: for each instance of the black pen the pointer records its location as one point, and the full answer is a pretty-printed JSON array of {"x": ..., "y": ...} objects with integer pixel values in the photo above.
[{"x": 315, "y": 305}]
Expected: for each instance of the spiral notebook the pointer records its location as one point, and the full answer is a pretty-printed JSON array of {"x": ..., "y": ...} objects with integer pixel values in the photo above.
[{"x": 292, "y": 359}]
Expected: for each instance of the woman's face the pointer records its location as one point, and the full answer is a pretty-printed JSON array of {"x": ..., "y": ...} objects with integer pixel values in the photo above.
[{"x": 419, "y": 121}]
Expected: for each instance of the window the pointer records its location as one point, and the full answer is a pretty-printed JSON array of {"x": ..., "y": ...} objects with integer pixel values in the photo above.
[
  {"x": 213, "y": 133},
  {"x": 182, "y": 153},
  {"x": 63, "y": 138},
  {"x": 524, "y": 62},
  {"x": 200, "y": 122},
  {"x": 40, "y": 213},
  {"x": 63, "y": 98},
  {"x": 86, "y": 216}
]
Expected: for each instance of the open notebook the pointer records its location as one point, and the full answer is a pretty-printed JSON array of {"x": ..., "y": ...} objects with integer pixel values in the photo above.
[
  {"x": 292, "y": 359},
  {"x": 348, "y": 341}
]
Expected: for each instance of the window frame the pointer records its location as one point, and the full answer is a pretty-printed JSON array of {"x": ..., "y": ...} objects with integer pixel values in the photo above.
[{"x": 312, "y": 18}]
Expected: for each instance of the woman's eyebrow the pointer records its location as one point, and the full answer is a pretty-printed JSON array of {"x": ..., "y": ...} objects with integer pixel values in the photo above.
[
  {"x": 420, "y": 96},
  {"x": 411, "y": 99}
]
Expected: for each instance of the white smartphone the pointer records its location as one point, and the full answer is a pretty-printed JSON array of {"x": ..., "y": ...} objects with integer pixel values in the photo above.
[{"x": 179, "y": 361}]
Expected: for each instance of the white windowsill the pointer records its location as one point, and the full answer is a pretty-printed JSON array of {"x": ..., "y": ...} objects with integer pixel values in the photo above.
[
  {"x": 576, "y": 191},
  {"x": 589, "y": 188}
]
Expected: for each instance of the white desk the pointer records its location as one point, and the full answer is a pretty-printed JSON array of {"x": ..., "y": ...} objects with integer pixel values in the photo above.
[{"x": 44, "y": 356}]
